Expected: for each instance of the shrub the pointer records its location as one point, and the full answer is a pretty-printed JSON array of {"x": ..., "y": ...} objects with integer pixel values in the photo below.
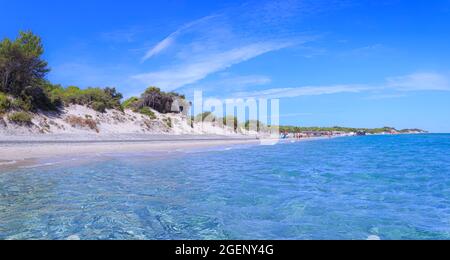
[
  {"x": 69, "y": 95},
  {"x": 231, "y": 120},
  {"x": 20, "y": 118},
  {"x": 153, "y": 89},
  {"x": 54, "y": 94},
  {"x": 130, "y": 103},
  {"x": 5, "y": 103},
  {"x": 37, "y": 98},
  {"x": 205, "y": 117},
  {"x": 95, "y": 98},
  {"x": 254, "y": 123},
  {"x": 158, "y": 100},
  {"x": 168, "y": 122},
  {"x": 148, "y": 112},
  {"x": 76, "y": 121},
  {"x": 99, "y": 107},
  {"x": 21, "y": 104},
  {"x": 153, "y": 98}
]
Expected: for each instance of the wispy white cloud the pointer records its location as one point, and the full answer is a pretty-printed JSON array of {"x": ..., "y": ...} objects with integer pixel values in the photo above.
[
  {"x": 217, "y": 42},
  {"x": 227, "y": 83},
  {"x": 161, "y": 46},
  {"x": 200, "y": 67},
  {"x": 169, "y": 40},
  {"x": 301, "y": 91},
  {"x": 400, "y": 85},
  {"x": 419, "y": 81}
]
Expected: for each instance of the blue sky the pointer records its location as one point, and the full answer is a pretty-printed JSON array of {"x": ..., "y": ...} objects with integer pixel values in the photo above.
[{"x": 354, "y": 63}]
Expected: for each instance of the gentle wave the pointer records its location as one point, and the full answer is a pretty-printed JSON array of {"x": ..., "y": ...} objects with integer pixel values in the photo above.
[
  {"x": 8, "y": 163},
  {"x": 39, "y": 165},
  {"x": 374, "y": 188}
]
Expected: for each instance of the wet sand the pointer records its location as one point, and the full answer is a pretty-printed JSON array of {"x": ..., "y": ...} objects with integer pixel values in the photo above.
[
  {"x": 22, "y": 152},
  {"x": 11, "y": 153}
]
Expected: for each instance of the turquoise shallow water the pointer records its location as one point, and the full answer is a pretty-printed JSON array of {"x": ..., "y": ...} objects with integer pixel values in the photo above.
[{"x": 393, "y": 187}]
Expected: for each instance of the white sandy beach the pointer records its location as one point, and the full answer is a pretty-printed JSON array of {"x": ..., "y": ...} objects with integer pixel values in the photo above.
[
  {"x": 116, "y": 133},
  {"x": 21, "y": 152},
  {"x": 51, "y": 135},
  {"x": 39, "y": 150}
]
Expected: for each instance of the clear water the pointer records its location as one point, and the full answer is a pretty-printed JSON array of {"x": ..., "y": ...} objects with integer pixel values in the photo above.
[{"x": 392, "y": 187}]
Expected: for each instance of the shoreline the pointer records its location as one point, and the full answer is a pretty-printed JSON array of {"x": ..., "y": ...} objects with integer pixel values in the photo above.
[
  {"x": 14, "y": 153},
  {"x": 20, "y": 152}
]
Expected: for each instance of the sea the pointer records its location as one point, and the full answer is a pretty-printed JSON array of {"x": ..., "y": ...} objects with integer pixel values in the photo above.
[{"x": 350, "y": 188}]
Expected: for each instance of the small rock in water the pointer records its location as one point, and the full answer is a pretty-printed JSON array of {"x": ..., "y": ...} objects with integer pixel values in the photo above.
[
  {"x": 374, "y": 238},
  {"x": 73, "y": 237}
]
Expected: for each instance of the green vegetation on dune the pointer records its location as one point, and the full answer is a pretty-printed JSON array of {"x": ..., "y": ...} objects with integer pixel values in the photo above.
[
  {"x": 231, "y": 121},
  {"x": 25, "y": 89},
  {"x": 5, "y": 103},
  {"x": 21, "y": 64},
  {"x": 168, "y": 122},
  {"x": 254, "y": 125},
  {"x": 130, "y": 103},
  {"x": 152, "y": 98},
  {"x": 412, "y": 130},
  {"x": 158, "y": 100},
  {"x": 23, "y": 84},
  {"x": 20, "y": 118},
  {"x": 96, "y": 98},
  {"x": 23, "y": 71},
  {"x": 297, "y": 129},
  {"x": 206, "y": 117},
  {"x": 147, "y": 111},
  {"x": 260, "y": 126}
]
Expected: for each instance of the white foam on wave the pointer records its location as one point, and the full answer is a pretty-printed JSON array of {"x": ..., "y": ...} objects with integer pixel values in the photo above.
[
  {"x": 39, "y": 165},
  {"x": 373, "y": 238},
  {"x": 269, "y": 142},
  {"x": 8, "y": 163},
  {"x": 73, "y": 238}
]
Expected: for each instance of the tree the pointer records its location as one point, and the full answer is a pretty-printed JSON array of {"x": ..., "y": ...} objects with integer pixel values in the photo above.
[
  {"x": 158, "y": 100},
  {"x": 112, "y": 92},
  {"x": 21, "y": 65}
]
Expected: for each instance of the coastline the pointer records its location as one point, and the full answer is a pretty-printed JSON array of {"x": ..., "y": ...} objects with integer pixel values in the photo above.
[
  {"x": 19, "y": 151},
  {"x": 22, "y": 152}
]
